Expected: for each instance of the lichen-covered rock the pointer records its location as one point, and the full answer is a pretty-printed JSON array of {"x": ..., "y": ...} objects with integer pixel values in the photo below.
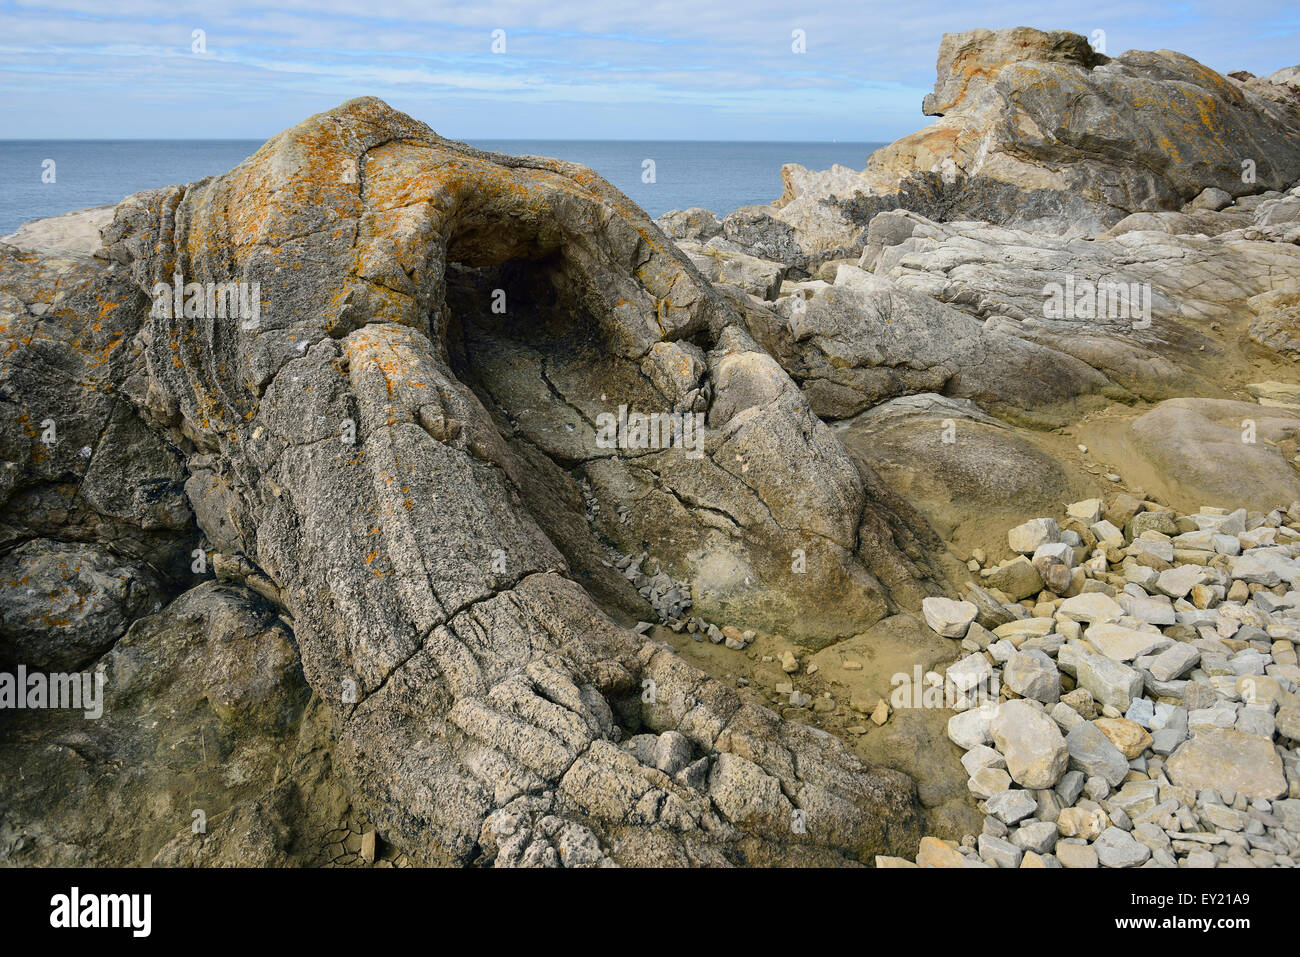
[
  {"x": 722, "y": 261},
  {"x": 1038, "y": 130},
  {"x": 695, "y": 223},
  {"x": 63, "y": 605},
  {"x": 390, "y": 451},
  {"x": 78, "y": 460}
]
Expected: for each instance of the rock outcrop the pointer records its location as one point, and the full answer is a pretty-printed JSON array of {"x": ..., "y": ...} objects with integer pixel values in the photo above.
[
  {"x": 402, "y": 470},
  {"x": 1036, "y": 130}
]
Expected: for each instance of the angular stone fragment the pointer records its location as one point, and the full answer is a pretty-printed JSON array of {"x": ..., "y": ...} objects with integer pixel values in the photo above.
[
  {"x": 1128, "y": 736},
  {"x": 999, "y": 852},
  {"x": 1032, "y": 674},
  {"x": 1109, "y": 682},
  {"x": 1091, "y": 607},
  {"x": 987, "y": 781},
  {"x": 1027, "y": 538},
  {"x": 1087, "y": 511},
  {"x": 934, "y": 852},
  {"x": 947, "y": 617},
  {"x": 982, "y": 756},
  {"x": 1012, "y": 805},
  {"x": 1018, "y": 579},
  {"x": 1034, "y": 749},
  {"x": 1174, "y": 662},
  {"x": 1177, "y": 582},
  {"x": 969, "y": 680},
  {"x": 970, "y": 729},
  {"x": 1124, "y": 644},
  {"x": 1082, "y": 822},
  {"x": 1226, "y": 759},
  {"x": 1094, "y": 754},
  {"x": 1117, "y": 848},
  {"x": 1036, "y": 837},
  {"x": 1076, "y": 855}
]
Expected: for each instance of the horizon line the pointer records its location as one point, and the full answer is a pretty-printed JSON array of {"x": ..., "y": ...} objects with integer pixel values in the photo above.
[{"x": 497, "y": 139}]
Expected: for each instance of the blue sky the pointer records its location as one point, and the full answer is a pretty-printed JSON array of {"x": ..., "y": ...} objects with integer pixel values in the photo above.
[{"x": 595, "y": 69}]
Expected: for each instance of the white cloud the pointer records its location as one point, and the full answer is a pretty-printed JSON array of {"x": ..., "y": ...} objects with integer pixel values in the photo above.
[{"x": 672, "y": 65}]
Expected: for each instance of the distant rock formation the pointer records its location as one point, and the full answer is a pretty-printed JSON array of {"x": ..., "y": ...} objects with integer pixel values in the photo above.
[{"x": 1037, "y": 130}]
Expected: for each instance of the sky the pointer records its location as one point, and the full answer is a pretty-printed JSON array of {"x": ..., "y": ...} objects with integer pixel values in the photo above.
[{"x": 568, "y": 69}]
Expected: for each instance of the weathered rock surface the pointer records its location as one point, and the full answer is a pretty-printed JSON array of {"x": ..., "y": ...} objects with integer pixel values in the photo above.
[
  {"x": 1035, "y": 751},
  {"x": 1134, "y": 308},
  {"x": 1038, "y": 130},
  {"x": 1230, "y": 451},
  {"x": 866, "y": 339},
  {"x": 77, "y": 232},
  {"x": 63, "y": 605},
  {"x": 206, "y": 752},
  {"x": 1226, "y": 759},
  {"x": 959, "y": 467},
  {"x": 398, "y": 467},
  {"x": 79, "y": 460}
]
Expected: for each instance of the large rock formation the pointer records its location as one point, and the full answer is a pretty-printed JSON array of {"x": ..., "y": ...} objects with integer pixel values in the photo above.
[
  {"x": 1037, "y": 130},
  {"x": 397, "y": 450},
  {"x": 1075, "y": 238}
]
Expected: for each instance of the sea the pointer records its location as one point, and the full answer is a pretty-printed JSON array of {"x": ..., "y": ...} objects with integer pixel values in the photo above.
[{"x": 41, "y": 178}]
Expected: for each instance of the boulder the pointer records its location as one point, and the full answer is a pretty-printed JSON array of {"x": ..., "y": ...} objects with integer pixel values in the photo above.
[
  {"x": 391, "y": 460},
  {"x": 1018, "y": 579},
  {"x": 1035, "y": 752},
  {"x": 1032, "y": 535},
  {"x": 1128, "y": 736},
  {"x": 1091, "y": 607},
  {"x": 1107, "y": 680},
  {"x": 1094, "y": 754},
  {"x": 1032, "y": 674},
  {"x": 1229, "y": 760},
  {"x": 1117, "y": 848},
  {"x": 947, "y": 617}
]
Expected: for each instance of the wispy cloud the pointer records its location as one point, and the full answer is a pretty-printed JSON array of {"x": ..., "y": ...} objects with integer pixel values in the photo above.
[{"x": 652, "y": 69}]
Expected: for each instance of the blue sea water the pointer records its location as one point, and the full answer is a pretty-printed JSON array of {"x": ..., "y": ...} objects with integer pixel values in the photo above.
[{"x": 720, "y": 176}]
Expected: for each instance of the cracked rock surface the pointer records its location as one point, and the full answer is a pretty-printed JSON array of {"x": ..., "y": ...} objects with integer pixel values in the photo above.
[{"x": 393, "y": 467}]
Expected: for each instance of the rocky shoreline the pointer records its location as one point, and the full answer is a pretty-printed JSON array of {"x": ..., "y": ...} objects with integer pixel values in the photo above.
[
  {"x": 365, "y": 588},
  {"x": 1146, "y": 716}
]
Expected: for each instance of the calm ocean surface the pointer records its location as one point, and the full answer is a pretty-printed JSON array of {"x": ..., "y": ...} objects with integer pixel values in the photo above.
[{"x": 717, "y": 176}]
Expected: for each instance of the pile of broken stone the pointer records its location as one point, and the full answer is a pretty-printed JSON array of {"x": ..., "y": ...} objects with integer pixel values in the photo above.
[
  {"x": 1129, "y": 697},
  {"x": 671, "y": 599}
]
